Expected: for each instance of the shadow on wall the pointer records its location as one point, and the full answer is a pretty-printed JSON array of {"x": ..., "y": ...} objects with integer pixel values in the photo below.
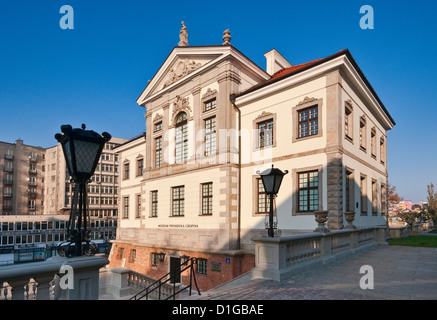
[{"x": 221, "y": 259}]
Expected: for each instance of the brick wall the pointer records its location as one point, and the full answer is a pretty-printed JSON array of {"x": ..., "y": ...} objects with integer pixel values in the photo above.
[{"x": 220, "y": 267}]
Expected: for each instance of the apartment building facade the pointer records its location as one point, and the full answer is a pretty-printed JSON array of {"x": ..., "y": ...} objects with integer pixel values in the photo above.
[
  {"x": 37, "y": 196},
  {"x": 102, "y": 189},
  {"x": 214, "y": 120},
  {"x": 21, "y": 179}
]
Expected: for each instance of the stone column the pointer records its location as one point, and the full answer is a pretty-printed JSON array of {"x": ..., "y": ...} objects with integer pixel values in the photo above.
[
  {"x": 335, "y": 191},
  {"x": 149, "y": 130},
  {"x": 197, "y": 110},
  {"x": 334, "y": 138}
]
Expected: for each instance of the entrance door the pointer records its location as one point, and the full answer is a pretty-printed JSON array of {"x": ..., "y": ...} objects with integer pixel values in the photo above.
[{"x": 175, "y": 269}]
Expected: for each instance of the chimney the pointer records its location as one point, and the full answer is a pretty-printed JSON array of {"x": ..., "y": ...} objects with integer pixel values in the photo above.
[{"x": 275, "y": 62}]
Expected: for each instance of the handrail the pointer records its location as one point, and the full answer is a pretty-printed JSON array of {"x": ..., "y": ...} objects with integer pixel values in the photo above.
[{"x": 173, "y": 275}]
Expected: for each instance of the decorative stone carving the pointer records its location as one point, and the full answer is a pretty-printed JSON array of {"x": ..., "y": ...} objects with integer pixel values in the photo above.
[
  {"x": 158, "y": 117},
  {"x": 350, "y": 217},
  {"x": 307, "y": 100},
  {"x": 264, "y": 114},
  {"x": 321, "y": 218},
  {"x": 226, "y": 37},
  {"x": 182, "y": 68},
  {"x": 209, "y": 93},
  {"x": 181, "y": 104},
  {"x": 183, "y": 36}
]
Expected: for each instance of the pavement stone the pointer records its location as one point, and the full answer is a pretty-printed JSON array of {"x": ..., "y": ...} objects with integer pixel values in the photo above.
[{"x": 400, "y": 273}]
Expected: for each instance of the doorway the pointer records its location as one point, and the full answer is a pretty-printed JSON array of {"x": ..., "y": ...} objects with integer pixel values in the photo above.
[{"x": 175, "y": 270}]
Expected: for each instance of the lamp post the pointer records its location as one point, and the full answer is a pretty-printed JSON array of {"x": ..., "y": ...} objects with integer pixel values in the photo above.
[
  {"x": 82, "y": 149},
  {"x": 272, "y": 179}
]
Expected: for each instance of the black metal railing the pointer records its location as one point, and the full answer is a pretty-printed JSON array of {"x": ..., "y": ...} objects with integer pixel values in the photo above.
[{"x": 171, "y": 276}]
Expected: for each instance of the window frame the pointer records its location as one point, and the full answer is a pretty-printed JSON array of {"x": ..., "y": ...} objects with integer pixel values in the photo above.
[
  {"x": 158, "y": 151},
  {"x": 349, "y": 121},
  {"x": 307, "y": 201},
  {"x": 154, "y": 203},
  {"x": 202, "y": 266},
  {"x": 208, "y": 198},
  {"x": 178, "y": 200},
  {"x": 125, "y": 207},
  {"x": 264, "y": 118},
  {"x": 183, "y": 127},
  {"x": 126, "y": 170},
  {"x": 295, "y": 189},
  {"x": 307, "y": 104},
  {"x": 210, "y": 149}
]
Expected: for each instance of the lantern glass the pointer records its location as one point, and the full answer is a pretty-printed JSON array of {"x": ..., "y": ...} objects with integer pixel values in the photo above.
[
  {"x": 269, "y": 183},
  {"x": 272, "y": 179},
  {"x": 87, "y": 154},
  {"x": 67, "y": 154}
]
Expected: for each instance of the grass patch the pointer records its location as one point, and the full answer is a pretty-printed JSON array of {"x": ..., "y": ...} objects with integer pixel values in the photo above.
[{"x": 419, "y": 241}]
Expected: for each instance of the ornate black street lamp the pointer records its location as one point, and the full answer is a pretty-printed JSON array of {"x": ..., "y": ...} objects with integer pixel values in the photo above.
[
  {"x": 272, "y": 179},
  {"x": 82, "y": 149}
]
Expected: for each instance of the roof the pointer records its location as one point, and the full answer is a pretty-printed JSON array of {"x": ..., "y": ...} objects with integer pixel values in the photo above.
[
  {"x": 133, "y": 139},
  {"x": 290, "y": 71}
]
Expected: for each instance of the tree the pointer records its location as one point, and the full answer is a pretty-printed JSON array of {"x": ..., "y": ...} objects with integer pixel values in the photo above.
[
  {"x": 408, "y": 216},
  {"x": 432, "y": 199},
  {"x": 393, "y": 198},
  {"x": 432, "y": 203}
]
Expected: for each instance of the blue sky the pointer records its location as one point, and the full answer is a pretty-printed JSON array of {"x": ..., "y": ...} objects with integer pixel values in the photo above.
[{"x": 50, "y": 76}]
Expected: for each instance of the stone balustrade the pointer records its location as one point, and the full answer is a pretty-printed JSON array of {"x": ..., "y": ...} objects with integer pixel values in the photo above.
[
  {"x": 45, "y": 280},
  {"x": 124, "y": 282},
  {"x": 279, "y": 258}
]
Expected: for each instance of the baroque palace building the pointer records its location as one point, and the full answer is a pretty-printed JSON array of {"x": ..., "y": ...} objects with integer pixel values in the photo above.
[{"x": 189, "y": 186}]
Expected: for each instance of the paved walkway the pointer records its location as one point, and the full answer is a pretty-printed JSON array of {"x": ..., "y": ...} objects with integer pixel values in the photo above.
[{"x": 400, "y": 273}]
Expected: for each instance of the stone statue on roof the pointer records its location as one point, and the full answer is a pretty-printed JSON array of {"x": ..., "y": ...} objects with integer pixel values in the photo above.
[{"x": 183, "y": 36}]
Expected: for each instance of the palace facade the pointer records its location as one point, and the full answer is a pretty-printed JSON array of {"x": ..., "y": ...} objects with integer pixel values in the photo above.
[{"x": 189, "y": 186}]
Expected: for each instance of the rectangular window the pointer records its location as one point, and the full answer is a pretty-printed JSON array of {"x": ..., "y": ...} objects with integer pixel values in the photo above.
[
  {"x": 348, "y": 123},
  {"x": 263, "y": 199},
  {"x": 178, "y": 200},
  {"x": 363, "y": 187},
  {"x": 210, "y": 136},
  {"x": 373, "y": 143},
  {"x": 133, "y": 254},
  {"x": 158, "y": 126},
  {"x": 140, "y": 166},
  {"x": 158, "y": 152},
  {"x": 120, "y": 253},
  {"x": 209, "y": 105},
  {"x": 154, "y": 259},
  {"x": 382, "y": 150},
  {"x": 383, "y": 199},
  {"x": 126, "y": 207},
  {"x": 308, "y": 191},
  {"x": 265, "y": 130},
  {"x": 349, "y": 192},
  {"x": 138, "y": 213},
  {"x": 202, "y": 266},
  {"x": 308, "y": 122},
  {"x": 154, "y": 198},
  {"x": 207, "y": 198},
  {"x": 374, "y": 197},
  {"x": 363, "y": 133},
  {"x": 126, "y": 171}
]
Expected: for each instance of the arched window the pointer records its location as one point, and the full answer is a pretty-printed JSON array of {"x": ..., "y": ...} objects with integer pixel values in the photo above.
[{"x": 181, "y": 138}]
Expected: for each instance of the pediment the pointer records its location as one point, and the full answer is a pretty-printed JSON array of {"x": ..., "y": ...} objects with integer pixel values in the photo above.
[{"x": 176, "y": 69}]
